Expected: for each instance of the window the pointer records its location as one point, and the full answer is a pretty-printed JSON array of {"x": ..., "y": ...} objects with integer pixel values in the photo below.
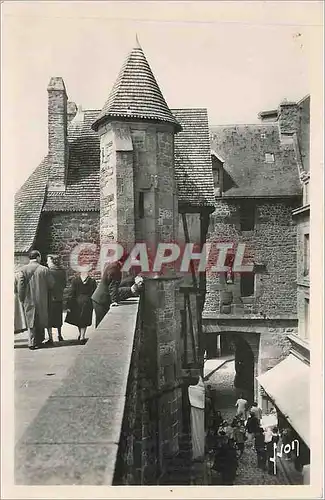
[
  {"x": 306, "y": 318},
  {"x": 306, "y": 254},
  {"x": 247, "y": 217},
  {"x": 141, "y": 205},
  {"x": 247, "y": 285},
  {"x": 269, "y": 158}
]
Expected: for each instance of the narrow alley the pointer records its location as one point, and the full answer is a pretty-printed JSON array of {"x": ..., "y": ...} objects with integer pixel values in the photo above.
[{"x": 247, "y": 472}]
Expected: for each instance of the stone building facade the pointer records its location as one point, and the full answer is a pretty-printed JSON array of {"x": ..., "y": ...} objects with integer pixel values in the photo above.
[
  {"x": 257, "y": 172},
  {"x": 294, "y": 370}
]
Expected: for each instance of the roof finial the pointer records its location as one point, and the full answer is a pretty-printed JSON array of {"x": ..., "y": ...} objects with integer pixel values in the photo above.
[{"x": 137, "y": 43}]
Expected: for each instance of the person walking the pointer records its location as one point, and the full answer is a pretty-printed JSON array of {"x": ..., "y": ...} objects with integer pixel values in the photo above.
[
  {"x": 229, "y": 469},
  {"x": 271, "y": 438},
  {"x": 34, "y": 282},
  {"x": 260, "y": 449},
  {"x": 80, "y": 306},
  {"x": 240, "y": 437},
  {"x": 229, "y": 430},
  {"x": 212, "y": 394},
  {"x": 217, "y": 420},
  {"x": 241, "y": 405},
  {"x": 255, "y": 410},
  {"x": 56, "y": 296},
  {"x": 252, "y": 426}
]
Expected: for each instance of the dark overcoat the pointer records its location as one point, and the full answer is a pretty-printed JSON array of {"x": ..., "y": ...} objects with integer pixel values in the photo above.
[
  {"x": 56, "y": 297},
  {"x": 107, "y": 291},
  {"x": 79, "y": 302},
  {"x": 34, "y": 284}
]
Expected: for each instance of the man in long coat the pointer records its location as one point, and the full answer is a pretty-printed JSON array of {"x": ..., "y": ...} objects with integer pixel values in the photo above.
[{"x": 34, "y": 284}]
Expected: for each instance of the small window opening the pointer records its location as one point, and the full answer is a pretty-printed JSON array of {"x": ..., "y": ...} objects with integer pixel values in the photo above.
[
  {"x": 247, "y": 285},
  {"x": 141, "y": 205},
  {"x": 247, "y": 217},
  {"x": 269, "y": 158}
]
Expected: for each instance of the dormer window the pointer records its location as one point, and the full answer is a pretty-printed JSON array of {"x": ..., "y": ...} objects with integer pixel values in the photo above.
[{"x": 269, "y": 158}]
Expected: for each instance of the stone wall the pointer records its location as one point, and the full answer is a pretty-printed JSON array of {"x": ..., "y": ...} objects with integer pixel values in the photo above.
[
  {"x": 303, "y": 228},
  {"x": 138, "y": 453},
  {"x": 116, "y": 185},
  {"x": 161, "y": 321},
  {"x": 288, "y": 116},
  {"x": 272, "y": 243},
  {"x": 61, "y": 232},
  {"x": 304, "y": 131},
  {"x": 153, "y": 412}
]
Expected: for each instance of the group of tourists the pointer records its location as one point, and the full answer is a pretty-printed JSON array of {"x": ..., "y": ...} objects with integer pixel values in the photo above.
[
  {"x": 39, "y": 296},
  {"x": 226, "y": 440}
]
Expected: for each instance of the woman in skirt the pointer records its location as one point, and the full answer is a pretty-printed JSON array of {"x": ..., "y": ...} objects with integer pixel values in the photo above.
[
  {"x": 80, "y": 307},
  {"x": 56, "y": 296}
]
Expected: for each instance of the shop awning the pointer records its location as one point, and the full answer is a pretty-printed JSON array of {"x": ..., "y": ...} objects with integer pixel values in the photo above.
[{"x": 287, "y": 385}]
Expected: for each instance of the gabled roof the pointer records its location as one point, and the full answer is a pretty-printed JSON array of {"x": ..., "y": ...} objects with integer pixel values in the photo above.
[
  {"x": 136, "y": 94},
  {"x": 193, "y": 174},
  {"x": 247, "y": 174}
]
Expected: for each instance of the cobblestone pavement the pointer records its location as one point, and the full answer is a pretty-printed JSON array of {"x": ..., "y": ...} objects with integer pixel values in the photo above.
[{"x": 247, "y": 472}]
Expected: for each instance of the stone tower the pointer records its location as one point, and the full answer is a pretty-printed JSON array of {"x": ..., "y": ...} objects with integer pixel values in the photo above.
[{"x": 138, "y": 203}]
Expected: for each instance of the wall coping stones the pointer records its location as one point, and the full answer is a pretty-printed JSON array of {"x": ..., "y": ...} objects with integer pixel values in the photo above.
[
  {"x": 207, "y": 316},
  {"x": 74, "y": 438}
]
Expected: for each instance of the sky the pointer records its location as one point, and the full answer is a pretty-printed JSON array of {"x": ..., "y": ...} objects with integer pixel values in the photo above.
[{"x": 234, "y": 58}]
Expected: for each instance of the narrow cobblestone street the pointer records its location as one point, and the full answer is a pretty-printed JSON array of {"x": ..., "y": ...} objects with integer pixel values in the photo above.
[{"x": 247, "y": 472}]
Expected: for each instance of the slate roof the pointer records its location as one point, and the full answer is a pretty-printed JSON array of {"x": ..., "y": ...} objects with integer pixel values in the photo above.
[
  {"x": 136, "y": 94},
  {"x": 28, "y": 207},
  {"x": 82, "y": 188},
  {"x": 246, "y": 174},
  {"x": 193, "y": 173},
  {"x": 193, "y": 166}
]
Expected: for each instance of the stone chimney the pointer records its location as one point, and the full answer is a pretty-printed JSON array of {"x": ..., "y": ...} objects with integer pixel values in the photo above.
[
  {"x": 288, "y": 117},
  {"x": 57, "y": 134}
]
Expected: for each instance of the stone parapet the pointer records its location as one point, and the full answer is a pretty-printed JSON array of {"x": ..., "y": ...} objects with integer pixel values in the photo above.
[{"x": 75, "y": 437}]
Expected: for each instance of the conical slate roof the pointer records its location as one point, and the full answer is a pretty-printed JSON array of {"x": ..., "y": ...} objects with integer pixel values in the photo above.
[{"x": 136, "y": 94}]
